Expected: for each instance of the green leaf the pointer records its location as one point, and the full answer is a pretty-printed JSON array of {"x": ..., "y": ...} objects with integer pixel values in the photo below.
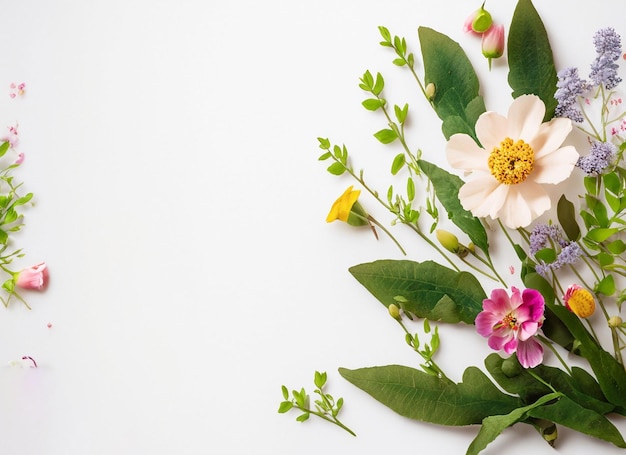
[
  {"x": 336, "y": 168},
  {"x": 612, "y": 183},
  {"x": 320, "y": 379},
  {"x": 531, "y": 65},
  {"x": 386, "y": 136},
  {"x": 372, "y": 104},
  {"x": 398, "y": 163},
  {"x": 4, "y": 147},
  {"x": 446, "y": 187},
  {"x": 567, "y": 218},
  {"x": 447, "y": 67},
  {"x": 572, "y": 415},
  {"x": 378, "y": 85},
  {"x": 616, "y": 247},
  {"x": 431, "y": 290},
  {"x": 609, "y": 372},
  {"x": 495, "y": 424},
  {"x": 600, "y": 234},
  {"x": 285, "y": 406},
  {"x": 606, "y": 286},
  {"x": 421, "y": 396}
]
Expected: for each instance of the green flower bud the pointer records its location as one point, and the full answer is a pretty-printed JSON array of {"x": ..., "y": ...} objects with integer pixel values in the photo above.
[
  {"x": 511, "y": 367},
  {"x": 448, "y": 240},
  {"x": 615, "y": 321},
  {"x": 482, "y": 20}
]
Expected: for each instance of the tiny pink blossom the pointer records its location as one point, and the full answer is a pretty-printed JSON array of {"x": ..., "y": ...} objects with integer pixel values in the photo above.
[
  {"x": 510, "y": 323},
  {"x": 20, "y": 158},
  {"x": 17, "y": 89},
  {"x": 35, "y": 277},
  {"x": 11, "y": 137}
]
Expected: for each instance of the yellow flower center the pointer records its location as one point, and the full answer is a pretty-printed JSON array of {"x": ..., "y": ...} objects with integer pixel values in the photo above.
[
  {"x": 512, "y": 161},
  {"x": 509, "y": 320}
]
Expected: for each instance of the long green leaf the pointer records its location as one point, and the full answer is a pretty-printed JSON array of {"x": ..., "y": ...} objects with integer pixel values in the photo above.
[
  {"x": 428, "y": 290},
  {"x": 420, "y": 396},
  {"x": 531, "y": 64},
  {"x": 572, "y": 415},
  {"x": 447, "y": 67},
  {"x": 495, "y": 424},
  {"x": 446, "y": 187}
]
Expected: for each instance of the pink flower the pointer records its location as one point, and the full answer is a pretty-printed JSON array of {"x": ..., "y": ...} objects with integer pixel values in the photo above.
[
  {"x": 35, "y": 277},
  {"x": 511, "y": 322}
]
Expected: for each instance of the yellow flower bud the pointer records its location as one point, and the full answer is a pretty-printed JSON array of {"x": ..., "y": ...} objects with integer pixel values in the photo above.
[
  {"x": 579, "y": 301},
  {"x": 430, "y": 91},
  {"x": 448, "y": 240},
  {"x": 615, "y": 321},
  {"x": 394, "y": 311}
]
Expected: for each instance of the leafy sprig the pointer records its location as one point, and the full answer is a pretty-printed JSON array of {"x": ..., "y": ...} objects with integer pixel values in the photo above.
[{"x": 325, "y": 407}]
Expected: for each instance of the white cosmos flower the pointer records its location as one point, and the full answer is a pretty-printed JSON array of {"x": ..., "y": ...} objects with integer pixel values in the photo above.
[{"x": 519, "y": 155}]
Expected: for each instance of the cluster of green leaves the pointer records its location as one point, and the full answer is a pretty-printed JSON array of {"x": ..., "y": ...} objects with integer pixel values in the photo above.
[
  {"x": 11, "y": 221},
  {"x": 325, "y": 406}
]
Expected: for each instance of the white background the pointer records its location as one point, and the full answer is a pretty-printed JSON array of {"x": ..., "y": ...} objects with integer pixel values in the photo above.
[{"x": 180, "y": 206}]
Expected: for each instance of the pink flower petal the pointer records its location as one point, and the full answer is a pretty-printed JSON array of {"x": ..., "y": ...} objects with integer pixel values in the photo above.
[
  {"x": 483, "y": 195},
  {"x": 551, "y": 136},
  {"x": 484, "y": 323},
  {"x": 556, "y": 166},
  {"x": 525, "y": 202},
  {"x": 524, "y": 117},
  {"x": 529, "y": 353},
  {"x": 490, "y": 127},
  {"x": 463, "y": 153}
]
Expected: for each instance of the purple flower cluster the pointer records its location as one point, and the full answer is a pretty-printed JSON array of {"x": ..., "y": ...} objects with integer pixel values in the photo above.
[
  {"x": 569, "y": 87},
  {"x": 601, "y": 155},
  {"x": 539, "y": 238},
  {"x": 609, "y": 49}
]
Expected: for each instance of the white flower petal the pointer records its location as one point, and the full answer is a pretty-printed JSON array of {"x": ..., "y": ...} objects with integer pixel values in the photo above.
[
  {"x": 550, "y": 136},
  {"x": 525, "y": 117},
  {"x": 555, "y": 166},
  {"x": 483, "y": 196},
  {"x": 523, "y": 204},
  {"x": 491, "y": 130},
  {"x": 463, "y": 153}
]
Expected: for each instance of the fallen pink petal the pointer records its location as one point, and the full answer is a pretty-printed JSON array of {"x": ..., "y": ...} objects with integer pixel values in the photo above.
[{"x": 35, "y": 277}]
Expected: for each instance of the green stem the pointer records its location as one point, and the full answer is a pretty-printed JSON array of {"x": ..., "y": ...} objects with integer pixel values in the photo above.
[
  {"x": 550, "y": 346},
  {"x": 332, "y": 420}
]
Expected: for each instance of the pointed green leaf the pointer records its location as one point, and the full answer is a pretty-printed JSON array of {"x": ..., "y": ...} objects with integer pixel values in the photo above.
[
  {"x": 567, "y": 218},
  {"x": 431, "y": 290},
  {"x": 531, "y": 64},
  {"x": 568, "y": 413},
  {"x": 494, "y": 425},
  {"x": 336, "y": 168},
  {"x": 386, "y": 136},
  {"x": 421, "y": 396}
]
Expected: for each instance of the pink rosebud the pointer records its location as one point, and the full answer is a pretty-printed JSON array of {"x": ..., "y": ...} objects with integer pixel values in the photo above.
[
  {"x": 20, "y": 158},
  {"x": 478, "y": 22},
  {"x": 493, "y": 42},
  {"x": 35, "y": 277}
]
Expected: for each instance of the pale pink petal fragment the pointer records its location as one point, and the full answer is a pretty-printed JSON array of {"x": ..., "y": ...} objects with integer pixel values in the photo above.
[
  {"x": 550, "y": 136},
  {"x": 483, "y": 196},
  {"x": 556, "y": 166},
  {"x": 489, "y": 127},
  {"x": 529, "y": 353},
  {"x": 463, "y": 153},
  {"x": 525, "y": 117}
]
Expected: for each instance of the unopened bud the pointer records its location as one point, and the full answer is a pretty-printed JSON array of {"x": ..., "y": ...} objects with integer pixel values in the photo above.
[
  {"x": 394, "y": 312},
  {"x": 579, "y": 301},
  {"x": 430, "y": 91},
  {"x": 615, "y": 321},
  {"x": 448, "y": 240},
  {"x": 482, "y": 20}
]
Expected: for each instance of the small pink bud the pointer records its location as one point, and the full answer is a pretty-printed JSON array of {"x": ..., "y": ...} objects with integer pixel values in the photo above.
[
  {"x": 478, "y": 22},
  {"x": 493, "y": 42},
  {"x": 35, "y": 277}
]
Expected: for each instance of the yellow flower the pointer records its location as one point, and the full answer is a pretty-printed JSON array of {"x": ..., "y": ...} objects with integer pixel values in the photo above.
[
  {"x": 347, "y": 209},
  {"x": 579, "y": 301}
]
